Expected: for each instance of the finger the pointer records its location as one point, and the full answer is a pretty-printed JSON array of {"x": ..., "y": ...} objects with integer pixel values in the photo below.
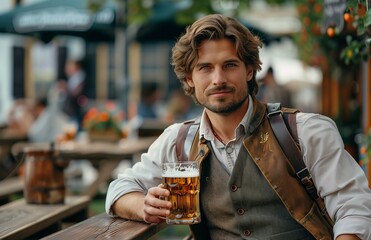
[
  {"x": 156, "y": 202},
  {"x": 153, "y": 219},
  {"x": 158, "y": 191},
  {"x": 151, "y": 212}
]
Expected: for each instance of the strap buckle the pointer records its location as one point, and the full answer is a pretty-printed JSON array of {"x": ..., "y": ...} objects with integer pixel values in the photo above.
[{"x": 273, "y": 108}]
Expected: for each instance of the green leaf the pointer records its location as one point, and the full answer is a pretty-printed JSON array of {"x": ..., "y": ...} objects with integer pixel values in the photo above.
[
  {"x": 368, "y": 42},
  {"x": 352, "y": 3},
  {"x": 361, "y": 30},
  {"x": 367, "y": 20},
  {"x": 343, "y": 53},
  {"x": 349, "y": 39}
]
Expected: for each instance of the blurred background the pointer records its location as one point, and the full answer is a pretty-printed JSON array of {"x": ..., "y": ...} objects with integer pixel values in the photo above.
[{"x": 316, "y": 52}]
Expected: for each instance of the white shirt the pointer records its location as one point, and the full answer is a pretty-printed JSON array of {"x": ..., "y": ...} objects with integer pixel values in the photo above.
[
  {"x": 75, "y": 80},
  {"x": 337, "y": 176}
]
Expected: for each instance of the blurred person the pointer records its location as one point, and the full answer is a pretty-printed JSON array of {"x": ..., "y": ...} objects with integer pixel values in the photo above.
[
  {"x": 74, "y": 90},
  {"x": 270, "y": 91},
  {"x": 147, "y": 110},
  {"x": 49, "y": 117},
  {"x": 21, "y": 115},
  {"x": 179, "y": 108},
  {"x": 147, "y": 107},
  {"x": 20, "y": 118},
  {"x": 251, "y": 191}
]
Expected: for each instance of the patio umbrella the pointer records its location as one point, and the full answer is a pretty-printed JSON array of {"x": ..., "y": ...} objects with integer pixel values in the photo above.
[
  {"x": 162, "y": 26},
  {"x": 47, "y": 19}
]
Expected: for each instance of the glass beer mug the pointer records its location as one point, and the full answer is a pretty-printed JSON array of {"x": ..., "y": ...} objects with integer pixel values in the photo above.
[{"x": 182, "y": 179}]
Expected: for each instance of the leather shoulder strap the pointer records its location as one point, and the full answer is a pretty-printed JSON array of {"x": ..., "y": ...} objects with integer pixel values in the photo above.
[
  {"x": 286, "y": 141},
  {"x": 284, "y": 132},
  {"x": 185, "y": 138}
]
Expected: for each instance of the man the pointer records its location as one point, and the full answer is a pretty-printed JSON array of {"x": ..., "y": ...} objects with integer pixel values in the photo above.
[
  {"x": 74, "y": 90},
  {"x": 271, "y": 91},
  {"x": 250, "y": 192}
]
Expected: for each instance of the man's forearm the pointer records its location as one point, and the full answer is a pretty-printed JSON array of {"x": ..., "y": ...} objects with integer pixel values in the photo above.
[
  {"x": 347, "y": 237},
  {"x": 130, "y": 206}
]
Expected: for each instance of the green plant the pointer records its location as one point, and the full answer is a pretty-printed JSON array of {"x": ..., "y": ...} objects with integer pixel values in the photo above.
[{"x": 357, "y": 48}]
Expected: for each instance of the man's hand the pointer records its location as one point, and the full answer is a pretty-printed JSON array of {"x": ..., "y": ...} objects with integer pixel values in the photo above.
[
  {"x": 155, "y": 208},
  {"x": 150, "y": 208}
]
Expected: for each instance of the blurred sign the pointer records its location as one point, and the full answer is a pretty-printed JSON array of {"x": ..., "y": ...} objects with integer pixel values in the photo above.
[
  {"x": 333, "y": 14},
  {"x": 60, "y": 18}
]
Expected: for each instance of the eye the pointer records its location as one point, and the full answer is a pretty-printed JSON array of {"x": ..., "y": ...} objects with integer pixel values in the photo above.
[
  {"x": 204, "y": 67},
  {"x": 230, "y": 65}
]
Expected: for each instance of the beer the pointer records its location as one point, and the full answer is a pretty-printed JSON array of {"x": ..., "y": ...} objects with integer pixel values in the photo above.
[
  {"x": 183, "y": 182},
  {"x": 70, "y": 130}
]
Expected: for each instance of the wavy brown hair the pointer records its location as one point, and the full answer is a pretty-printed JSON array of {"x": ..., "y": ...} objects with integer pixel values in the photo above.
[{"x": 213, "y": 27}]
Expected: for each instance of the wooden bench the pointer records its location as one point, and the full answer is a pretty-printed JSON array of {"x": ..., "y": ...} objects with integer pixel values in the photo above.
[
  {"x": 20, "y": 220},
  {"x": 103, "y": 226},
  {"x": 9, "y": 187}
]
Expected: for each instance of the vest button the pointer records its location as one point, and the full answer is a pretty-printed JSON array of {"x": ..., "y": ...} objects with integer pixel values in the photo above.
[
  {"x": 247, "y": 232},
  {"x": 241, "y": 211},
  {"x": 234, "y": 188}
]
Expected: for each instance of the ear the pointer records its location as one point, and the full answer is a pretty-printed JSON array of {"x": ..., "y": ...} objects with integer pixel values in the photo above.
[
  {"x": 189, "y": 80},
  {"x": 249, "y": 72}
]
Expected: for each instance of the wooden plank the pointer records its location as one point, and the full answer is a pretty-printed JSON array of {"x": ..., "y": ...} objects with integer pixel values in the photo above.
[
  {"x": 10, "y": 136},
  {"x": 103, "y": 226},
  {"x": 150, "y": 128},
  {"x": 18, "y": 219},
  {"x": 10, "y": 186},
  {"x": 92, "y": 151}
]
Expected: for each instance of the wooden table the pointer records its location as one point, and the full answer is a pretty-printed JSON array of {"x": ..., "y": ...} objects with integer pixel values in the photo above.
[
  {"x": 9, "y": 187},
  {"x": 105, "y": 155},
  {"x": 103, "y": 226},
  {"x": 9, "y": 136},
  {"x": 19, "y": 220}
]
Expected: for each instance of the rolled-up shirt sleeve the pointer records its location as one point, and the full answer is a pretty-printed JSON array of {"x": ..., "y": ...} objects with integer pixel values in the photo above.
[
  {"x": 339, "y": 179},
  {"x": 147, "y": 172}
]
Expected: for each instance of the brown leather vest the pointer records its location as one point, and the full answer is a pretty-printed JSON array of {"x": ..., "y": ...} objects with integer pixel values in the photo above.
[{"x": 264, "y": 149}]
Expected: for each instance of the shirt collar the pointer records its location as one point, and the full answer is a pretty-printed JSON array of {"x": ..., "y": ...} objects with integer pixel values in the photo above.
[{"x": 241, "y": 129}]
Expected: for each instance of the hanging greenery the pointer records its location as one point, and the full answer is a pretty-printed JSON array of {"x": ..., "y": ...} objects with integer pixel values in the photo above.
[
  {"x": 310, "y": 38},
  {"x": 348, "y": 44},
  {"x": 359, "y": 16}
]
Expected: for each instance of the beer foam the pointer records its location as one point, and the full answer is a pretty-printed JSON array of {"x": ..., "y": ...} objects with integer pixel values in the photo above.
[{"x": 177, "y": 174}]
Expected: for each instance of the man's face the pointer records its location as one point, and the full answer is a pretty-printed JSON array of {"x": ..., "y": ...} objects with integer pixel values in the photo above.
[{"x": 220, "y": 77}]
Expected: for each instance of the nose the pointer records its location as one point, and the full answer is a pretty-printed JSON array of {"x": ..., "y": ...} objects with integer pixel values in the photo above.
[{"x": 219, "y": 77}]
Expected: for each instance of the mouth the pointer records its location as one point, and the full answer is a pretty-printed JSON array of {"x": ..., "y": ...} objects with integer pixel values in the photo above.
[{"x": 220, "y": 92}]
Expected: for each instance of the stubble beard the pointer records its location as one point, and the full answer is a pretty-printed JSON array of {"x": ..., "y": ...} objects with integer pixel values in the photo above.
[{"x": 225, "y": 109}]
